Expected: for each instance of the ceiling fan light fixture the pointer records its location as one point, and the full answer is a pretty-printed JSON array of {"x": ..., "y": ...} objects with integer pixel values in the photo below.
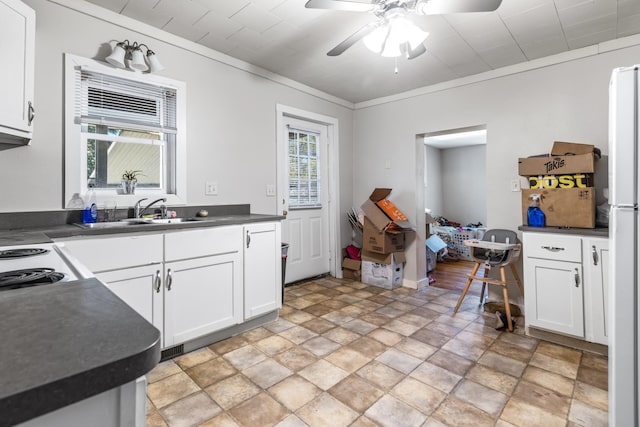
[
  {"x": 389, "y": 39},
  {"x": 374, "y": 41}
]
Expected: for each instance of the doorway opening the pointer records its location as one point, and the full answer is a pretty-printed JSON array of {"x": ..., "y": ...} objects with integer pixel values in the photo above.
[{"x": 451, "y": 191}]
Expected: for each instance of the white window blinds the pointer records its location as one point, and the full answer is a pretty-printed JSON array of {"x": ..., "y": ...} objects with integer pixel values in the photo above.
[
  {"x": 105, "y": 99},
  {"x": 304, "y": 169}
]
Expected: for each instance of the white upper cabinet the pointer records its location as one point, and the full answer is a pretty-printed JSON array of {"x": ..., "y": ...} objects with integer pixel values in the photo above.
[{"x": 17, "y": 44}]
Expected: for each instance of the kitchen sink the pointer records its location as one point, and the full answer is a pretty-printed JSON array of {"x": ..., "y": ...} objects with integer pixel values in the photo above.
[
  {"x": 113, "y": 224},
  {"x": 167, "y": 220},
  {"x": 142, "y": 221}
]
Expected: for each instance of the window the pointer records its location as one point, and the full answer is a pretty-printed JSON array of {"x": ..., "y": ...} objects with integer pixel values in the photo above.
[
  {"x": 304, "y": 169},
  {"x": 121, "y": 121}
]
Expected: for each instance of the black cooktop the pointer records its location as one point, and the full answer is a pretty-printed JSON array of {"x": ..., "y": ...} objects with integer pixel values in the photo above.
[
  {"x": 21, "y": 252},
  {"x": 28, "y": 277}
]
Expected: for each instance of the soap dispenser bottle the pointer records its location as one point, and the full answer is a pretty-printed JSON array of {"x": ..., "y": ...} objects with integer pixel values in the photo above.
[
  {"x": 535, "y": 216},
  {"x": 90, "y": 210}
]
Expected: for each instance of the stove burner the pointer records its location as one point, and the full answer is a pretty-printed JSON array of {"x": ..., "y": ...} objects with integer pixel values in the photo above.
[
  {"x": 22, "y": 252},
  {"x": 28, "y": 277}
]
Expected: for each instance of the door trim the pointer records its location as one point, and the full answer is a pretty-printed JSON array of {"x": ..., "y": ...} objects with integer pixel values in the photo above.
[{"x": 333, "y": 165}]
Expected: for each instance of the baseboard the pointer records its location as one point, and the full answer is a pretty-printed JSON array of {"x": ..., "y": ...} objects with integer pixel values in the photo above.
[
  {"x": 413, "y": 284},
  {"x": 567, "y": 341}
]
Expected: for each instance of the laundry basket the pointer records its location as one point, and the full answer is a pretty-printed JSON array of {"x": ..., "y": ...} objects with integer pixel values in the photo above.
[{"x": 457, "y": 240}]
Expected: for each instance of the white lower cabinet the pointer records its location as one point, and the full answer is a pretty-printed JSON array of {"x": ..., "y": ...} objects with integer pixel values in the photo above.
[
  {"x": 563, "y": 292},
  {"x": 140, "y": 288},
  {"x": 202, "y": 296},
  {"x": 262, "y": 269},
  {"x": 190, "y": 283}
]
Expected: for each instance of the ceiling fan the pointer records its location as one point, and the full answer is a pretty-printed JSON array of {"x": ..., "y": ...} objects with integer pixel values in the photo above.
[{"x": 393, "y": 34}]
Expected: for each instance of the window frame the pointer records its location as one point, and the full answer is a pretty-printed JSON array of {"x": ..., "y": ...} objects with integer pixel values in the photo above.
[{"x": 76, "y": 149}]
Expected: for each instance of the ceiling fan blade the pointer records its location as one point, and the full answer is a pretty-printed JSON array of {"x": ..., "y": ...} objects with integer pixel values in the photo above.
[
  {"x": 351, "y": 40},
  {"x": 417, "y": 51},
  {"x": 349, "y": 6},
  {"x": 438, "y": 7}
]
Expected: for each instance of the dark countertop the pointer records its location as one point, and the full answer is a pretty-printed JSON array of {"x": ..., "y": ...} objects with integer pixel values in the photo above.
[
  {"x": 597, "y": 232},
  {"x": 72, "y": 230},
  {"x": 45, "y": 233},
  {"x": 66, "y": 342}
]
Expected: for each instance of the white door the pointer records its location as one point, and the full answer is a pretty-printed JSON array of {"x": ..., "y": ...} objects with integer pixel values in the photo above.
[
  {"x": 201, "y": 296},
  {"x": 554, "y": 290},
  {"x": 305, "y": 199},
  {"x": 262, "y": 273},
  {"x": 140, "y": 288}
]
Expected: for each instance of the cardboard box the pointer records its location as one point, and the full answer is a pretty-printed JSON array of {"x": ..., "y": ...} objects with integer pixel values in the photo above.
[
  {"x": 385, "y": 271},
  {"x": 556, "y": 165},
  {"x": 570, "y": 149},
  {"x": 382, "y": 242},
  {"x": 350, "y": 267},
  {"x": 383, "y": 213},
  {"x": 428, "y": 221},
  {"x": 564, "y": 207},
  {"x": 566, "y": 158},
  {"x": 576, "y": 180}
]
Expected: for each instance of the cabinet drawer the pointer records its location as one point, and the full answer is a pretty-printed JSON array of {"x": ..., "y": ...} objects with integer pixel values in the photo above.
[
  {"x": 553, "y": 246},
  {"x": 111, "y": 253},
  {"x": 202, "y": 242}
]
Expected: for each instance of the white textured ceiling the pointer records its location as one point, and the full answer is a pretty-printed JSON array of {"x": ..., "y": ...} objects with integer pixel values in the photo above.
[{"x": 285, "y": 38}]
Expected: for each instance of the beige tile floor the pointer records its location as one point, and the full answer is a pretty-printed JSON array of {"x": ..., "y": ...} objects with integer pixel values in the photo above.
[{"x": 348, "y": 354}]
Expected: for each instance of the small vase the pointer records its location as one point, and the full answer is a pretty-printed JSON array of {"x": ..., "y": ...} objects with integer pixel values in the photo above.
[{"x": 129, "y": 187}]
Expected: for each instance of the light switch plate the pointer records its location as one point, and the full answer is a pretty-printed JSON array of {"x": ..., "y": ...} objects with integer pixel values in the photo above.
[
  {"x": 515, "y": 185},
  {"x": 211, "y": 188},
  {"x": 271, "y": 190}
]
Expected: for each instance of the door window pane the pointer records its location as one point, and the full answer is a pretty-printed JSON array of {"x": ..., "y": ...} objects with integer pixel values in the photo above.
[{"x": 304, "y": 176}]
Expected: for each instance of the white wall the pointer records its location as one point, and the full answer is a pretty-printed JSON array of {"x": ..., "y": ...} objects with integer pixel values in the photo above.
[
  {"x": 433, "y": 190},
  {"x": 231, "y": 116},
  {"x": 464, "y": 184},
  {"x": 524, "y": 113}
]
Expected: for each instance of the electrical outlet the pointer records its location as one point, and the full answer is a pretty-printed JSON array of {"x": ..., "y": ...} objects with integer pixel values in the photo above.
[
  {"x": 515, "y": 185},
  {"x": 211, "y": 188},
  {"x": 271, "y": 190}
]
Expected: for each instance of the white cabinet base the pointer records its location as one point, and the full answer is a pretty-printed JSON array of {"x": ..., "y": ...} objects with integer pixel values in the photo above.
[
  {"x": 565, "y": 279},
  {"x": 123, "y": 406}
]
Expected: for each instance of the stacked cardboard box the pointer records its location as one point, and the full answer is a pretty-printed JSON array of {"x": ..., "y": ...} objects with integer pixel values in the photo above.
[
  {"x": 384, "y": 235},
  {"x": 350, "y": 266},
  {"x": 564, "y": 180}
]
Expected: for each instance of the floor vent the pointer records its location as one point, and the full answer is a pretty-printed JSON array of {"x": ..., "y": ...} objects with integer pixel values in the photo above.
[{"x": 172, "y": 352}]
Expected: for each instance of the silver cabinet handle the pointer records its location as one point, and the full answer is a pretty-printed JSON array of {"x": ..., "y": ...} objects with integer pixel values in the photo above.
[
  {"x": 552, "y": 248},
  {"x": 577, "y": 278},
  {"x": 32, "y": 114},
  {"x": 169, "y": 279},
  {"x": 248, "y": 239},
  {"x": 594, "y": 253},
  {"x": 157, "y": 281}
]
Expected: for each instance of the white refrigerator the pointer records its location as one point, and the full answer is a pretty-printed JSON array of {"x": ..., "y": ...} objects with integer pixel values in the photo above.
[{"x": 624, "y": 188}]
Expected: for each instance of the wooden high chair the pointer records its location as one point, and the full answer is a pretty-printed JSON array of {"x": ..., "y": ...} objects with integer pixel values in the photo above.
[{"x": 498, "y": 248}]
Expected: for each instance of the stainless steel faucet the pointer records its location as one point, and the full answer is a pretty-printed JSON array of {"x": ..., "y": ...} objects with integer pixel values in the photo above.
[{"x": 140, "y": 211}]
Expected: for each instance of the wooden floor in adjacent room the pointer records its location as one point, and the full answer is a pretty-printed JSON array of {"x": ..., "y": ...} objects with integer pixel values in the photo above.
[{"x": 453, "y": 275}]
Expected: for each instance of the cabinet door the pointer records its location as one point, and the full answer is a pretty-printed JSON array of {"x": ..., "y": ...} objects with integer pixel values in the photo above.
[
  {"x": 554, "y": 294},
  {"x": 262, "y": 269},
  {"x": 596, "y": 264},
  {"x": 201, "y": 296},
  {"x": 140, "y": 288},
  {"x": 17, "y": 44}
]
